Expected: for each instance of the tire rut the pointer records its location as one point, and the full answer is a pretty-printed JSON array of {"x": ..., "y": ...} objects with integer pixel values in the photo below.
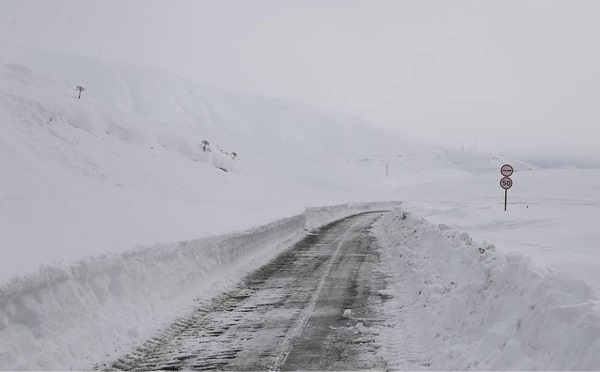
[{"x": 245, "y": 328}]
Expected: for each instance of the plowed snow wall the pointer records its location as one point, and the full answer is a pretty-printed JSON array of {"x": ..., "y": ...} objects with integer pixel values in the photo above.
[
  {"x": 458, "y": 304},
  {"x": 320, "y": 216},
  {"x": 71, "y": 317}
]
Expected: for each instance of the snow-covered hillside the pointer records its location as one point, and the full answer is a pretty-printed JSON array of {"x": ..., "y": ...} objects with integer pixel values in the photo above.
[
  {"x": 123, "y": 165},
  {"x": 120, "y": 175}
]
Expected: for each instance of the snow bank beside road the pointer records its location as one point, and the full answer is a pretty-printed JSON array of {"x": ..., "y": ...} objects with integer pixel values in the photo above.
[
  {"x": 318, "y": 216},
  {"x": 463, "y": 305},
  {"x": 76, "y": 316}
]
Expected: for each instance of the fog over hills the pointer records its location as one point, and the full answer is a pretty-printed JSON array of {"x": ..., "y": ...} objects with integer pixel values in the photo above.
[
  {"x": 299, "y": 185},
  {"x": 124, "y": 207},
  {"x": 123, "y": 166}
]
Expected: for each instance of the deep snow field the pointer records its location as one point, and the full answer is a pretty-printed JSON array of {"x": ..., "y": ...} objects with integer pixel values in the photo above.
[
  {"x": 110, "y": 208},
  {"x": 553, "y": 215}
]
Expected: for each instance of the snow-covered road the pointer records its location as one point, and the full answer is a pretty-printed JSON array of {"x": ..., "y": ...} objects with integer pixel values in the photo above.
[
  {"x": 310, "y": 308},
  {"x": 371, "y": 291},
  {"x": 384, "y": 291}
]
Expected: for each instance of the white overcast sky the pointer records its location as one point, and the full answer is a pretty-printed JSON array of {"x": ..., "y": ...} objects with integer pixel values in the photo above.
[{"x": 521, "y": 77}]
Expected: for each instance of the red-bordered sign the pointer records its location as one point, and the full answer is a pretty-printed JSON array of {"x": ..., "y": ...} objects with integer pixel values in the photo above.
[
  {"x": 506, "y": 183},
  {"x": 506, "y": 170}
]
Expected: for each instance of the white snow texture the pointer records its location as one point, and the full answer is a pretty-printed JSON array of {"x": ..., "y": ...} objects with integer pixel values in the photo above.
[{"x": 458, "y": 304}]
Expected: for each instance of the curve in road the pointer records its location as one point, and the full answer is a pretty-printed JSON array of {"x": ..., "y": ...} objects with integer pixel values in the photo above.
[{"x": 311, "y": 308}]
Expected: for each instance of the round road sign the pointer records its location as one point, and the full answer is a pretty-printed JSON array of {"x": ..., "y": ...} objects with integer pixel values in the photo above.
[
  {"x": 506, "y": 183},
  {"x": 506, "y": 170}
]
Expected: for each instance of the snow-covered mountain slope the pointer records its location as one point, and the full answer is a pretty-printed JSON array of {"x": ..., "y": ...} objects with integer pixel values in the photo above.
[{"x": 123, "y": 165}]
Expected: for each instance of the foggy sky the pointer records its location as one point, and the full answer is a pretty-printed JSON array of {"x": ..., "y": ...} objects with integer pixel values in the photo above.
[{"x": 517, "y": 77}]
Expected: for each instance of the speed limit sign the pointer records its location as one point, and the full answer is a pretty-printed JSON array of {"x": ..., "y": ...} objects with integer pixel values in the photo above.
[{"x": 506, "y": 183}]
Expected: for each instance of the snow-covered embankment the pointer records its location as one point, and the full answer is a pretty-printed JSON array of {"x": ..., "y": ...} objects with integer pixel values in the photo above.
[
  {"x": 73, "y": 317},
  {"x": 458, "y": 304}
]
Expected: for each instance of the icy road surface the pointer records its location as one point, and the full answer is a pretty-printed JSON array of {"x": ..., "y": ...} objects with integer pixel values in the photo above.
[{"x": 309, "y": 309}]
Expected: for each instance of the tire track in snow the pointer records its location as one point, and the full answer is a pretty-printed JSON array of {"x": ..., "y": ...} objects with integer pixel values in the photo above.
[
  {"x": 286, "y": 345},
  {"x": 407, "y": 338},
  {"x": 256, "y": 325}
]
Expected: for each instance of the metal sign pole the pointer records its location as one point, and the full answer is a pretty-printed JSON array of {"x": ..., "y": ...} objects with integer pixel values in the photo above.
[{"x": 506, "y": 183}]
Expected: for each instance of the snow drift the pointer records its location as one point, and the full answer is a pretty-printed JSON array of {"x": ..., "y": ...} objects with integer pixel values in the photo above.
[{"x": 459, "y": 304}]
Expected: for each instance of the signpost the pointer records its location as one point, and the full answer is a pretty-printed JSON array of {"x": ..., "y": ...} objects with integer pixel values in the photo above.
[{"x": 506, "y": 183}]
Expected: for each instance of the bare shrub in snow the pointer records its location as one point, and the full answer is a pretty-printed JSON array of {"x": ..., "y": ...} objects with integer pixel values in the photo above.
[{"x": 79, "y": 89}]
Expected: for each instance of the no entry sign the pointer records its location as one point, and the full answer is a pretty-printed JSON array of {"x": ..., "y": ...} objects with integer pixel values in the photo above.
[{"x": 506, "y": 170}]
